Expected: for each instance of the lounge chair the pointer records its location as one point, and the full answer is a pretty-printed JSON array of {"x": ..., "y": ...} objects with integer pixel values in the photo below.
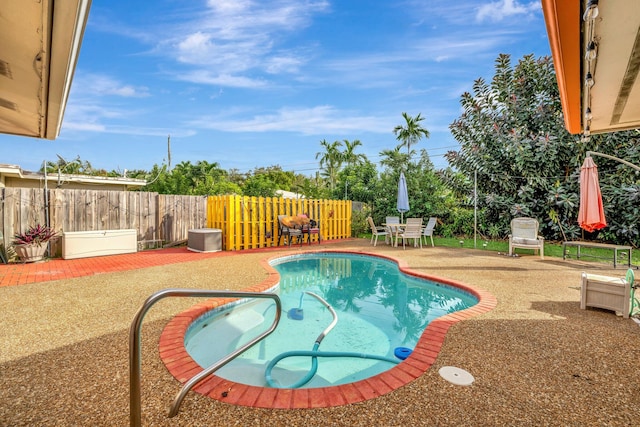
[
  {"x": 524, "y": 235},
  {"x": 412, "y": 230},
  {"x": 610, "y": 293},
  {"x": 288, "y": 229},
  {"x": 377, "y": 231},
  {"x": 428, "y": 230}
]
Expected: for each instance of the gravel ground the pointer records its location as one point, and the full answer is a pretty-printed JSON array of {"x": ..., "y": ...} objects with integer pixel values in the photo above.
[{"x": 537, "y": 358}]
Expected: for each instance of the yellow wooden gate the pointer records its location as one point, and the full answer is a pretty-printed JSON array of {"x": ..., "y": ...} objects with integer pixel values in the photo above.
[{"x": 252, "y": 222}]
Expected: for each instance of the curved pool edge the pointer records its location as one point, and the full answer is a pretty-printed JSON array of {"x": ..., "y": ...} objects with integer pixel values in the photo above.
[{"x": 179, "y": 364}]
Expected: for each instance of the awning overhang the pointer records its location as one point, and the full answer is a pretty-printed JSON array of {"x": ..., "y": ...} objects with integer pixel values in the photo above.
[
  {"x": 614, "y": 99},
  {"x": 40, "y": 45}
]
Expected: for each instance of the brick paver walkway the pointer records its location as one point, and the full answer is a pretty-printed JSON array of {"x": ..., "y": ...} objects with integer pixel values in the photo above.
[{"x": 56, "y": 269}]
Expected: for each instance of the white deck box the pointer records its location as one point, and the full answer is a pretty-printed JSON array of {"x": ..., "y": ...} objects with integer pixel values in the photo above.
[
  {"x": 610, "y": 293},
  {"x": 85, "y": 244}
]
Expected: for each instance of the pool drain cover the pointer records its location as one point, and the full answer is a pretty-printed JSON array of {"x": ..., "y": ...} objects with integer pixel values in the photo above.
[{"x": 456, "y": 376}]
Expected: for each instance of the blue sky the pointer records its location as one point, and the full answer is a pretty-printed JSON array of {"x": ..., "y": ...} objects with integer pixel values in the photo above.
[{"x": 255, "y": 83}]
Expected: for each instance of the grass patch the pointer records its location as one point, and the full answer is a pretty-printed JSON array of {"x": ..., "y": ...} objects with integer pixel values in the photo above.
[{"x": 551, "y": 249}]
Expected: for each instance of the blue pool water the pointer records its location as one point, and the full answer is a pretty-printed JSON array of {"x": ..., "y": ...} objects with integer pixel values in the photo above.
[{"x": 378, "y": 309}]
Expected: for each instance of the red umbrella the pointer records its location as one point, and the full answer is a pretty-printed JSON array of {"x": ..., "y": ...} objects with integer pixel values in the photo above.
[{"x": 591, "y": 213}]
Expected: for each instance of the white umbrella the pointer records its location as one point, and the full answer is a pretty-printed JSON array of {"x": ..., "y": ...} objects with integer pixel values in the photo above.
[{"x": 403, "y": 197}]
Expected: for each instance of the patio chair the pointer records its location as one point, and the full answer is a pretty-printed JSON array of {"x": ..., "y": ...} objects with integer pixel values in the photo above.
[
  {"x": 309, "y": 228},
  {"x": 391, "y": 229},
  {"x": 524, "y": 235},
  {"x": 428, "y": 230},
  {"x": 412, "y": 230},
  {"x": 377, "y": 231},
  {"x": 610, "y": 293},
  {"x": 288, "y": 229}
]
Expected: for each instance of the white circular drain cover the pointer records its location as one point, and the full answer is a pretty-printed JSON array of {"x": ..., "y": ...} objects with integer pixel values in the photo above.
[{"x": 456, "y": 376}]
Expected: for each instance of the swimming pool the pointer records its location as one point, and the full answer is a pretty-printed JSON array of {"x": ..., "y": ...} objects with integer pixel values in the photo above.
[
  {"x": 182, "y": 366},
  {"x": 377, "y": 310}
]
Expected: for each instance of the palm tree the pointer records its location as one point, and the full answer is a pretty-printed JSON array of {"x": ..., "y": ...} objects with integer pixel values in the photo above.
[
  {"x": 412, "y": 132},
  {"x": 330, "y": 161},
  {"x": 73, "y": 167},
  {"x": 349, "y": 156}
]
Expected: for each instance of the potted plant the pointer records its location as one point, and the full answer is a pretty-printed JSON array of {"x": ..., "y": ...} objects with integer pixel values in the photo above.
[{"x": 31, "y": 245}]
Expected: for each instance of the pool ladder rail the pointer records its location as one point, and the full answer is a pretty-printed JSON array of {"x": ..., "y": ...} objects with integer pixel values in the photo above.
[{"x": 135, "y": 406}]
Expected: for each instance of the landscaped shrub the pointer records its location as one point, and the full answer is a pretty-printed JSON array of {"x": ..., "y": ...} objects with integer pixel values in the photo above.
[{"x": 359, "y": 225}]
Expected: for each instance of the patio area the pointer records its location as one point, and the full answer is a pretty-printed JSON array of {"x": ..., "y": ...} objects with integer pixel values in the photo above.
[{"x": 537, "y": 358}]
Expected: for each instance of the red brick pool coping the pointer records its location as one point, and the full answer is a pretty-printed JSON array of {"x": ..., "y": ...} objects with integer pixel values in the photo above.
[{"x": 183, "y": 367}]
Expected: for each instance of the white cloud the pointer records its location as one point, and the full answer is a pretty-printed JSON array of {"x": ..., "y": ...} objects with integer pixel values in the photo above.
[
  {"x": 280, "y": 64},
  {"x": 103, "y": 85},
  {"x": 70, "y": 125},
  {"x": 503, "y": 9},
  {"x": 416, "y": 61},
  {"x": 241, "y": 38},
  {"x": 227, "y": 80},
  {"x": 83, "y": 126},
  {"x": 320, "y": 120},
  {"x": 229, "y": 6}
]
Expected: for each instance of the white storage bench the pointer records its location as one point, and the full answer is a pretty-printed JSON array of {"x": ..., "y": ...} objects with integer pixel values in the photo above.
[
  {"x": 85, "y": 244},
  {"x": 610, "y": 293}
]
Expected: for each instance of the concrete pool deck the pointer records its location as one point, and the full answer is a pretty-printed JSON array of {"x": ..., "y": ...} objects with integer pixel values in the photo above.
[{"x": 537, "y": 358}]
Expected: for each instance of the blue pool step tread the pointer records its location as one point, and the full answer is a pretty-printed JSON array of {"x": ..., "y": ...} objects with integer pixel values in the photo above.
[{"x": 402, "y": 352}]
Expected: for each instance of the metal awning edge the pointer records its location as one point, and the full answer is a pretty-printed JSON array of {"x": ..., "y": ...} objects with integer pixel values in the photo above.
[{"x": 562, "y": 18}]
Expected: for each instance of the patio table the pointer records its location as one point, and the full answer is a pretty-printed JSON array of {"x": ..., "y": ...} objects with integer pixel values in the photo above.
[{"x": 395, "y": 228}]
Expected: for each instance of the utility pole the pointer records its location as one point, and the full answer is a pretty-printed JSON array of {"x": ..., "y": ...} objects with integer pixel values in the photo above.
[{"x": 169, "y": 151}]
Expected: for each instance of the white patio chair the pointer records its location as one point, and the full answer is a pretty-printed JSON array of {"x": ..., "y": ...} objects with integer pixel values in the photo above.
[
  {"x": 524, "y": 235},
  {"x": 412, "y": 230},
  {"x": 428, "y": 230},
  {"x": 389, "y": 221},
  {"x": 377, "y": 231}
]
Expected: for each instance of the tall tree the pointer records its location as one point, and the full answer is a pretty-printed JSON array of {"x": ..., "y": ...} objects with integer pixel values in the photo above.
[
  {"x": 411, "y": 132},
  {"x": 259, "y": 185},
  {"x": 330, "y": 161},
  {"x": 349, "y": 155},
  {"x": 427, "y": 194},
  {"x": 280, "y": 178},
  {"x": 394, "y": 159},
  {"x": 512, "y": 134}
]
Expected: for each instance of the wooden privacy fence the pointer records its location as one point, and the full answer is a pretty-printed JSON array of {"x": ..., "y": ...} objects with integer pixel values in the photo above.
[
  {"x": 252, "y": 222},
  {"x": 246, "y": 222},
  {"x": 154, "y": 216}
]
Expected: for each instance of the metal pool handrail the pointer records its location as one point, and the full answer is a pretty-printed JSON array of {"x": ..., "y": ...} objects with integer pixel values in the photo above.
[{"x": 135, "y": 343}]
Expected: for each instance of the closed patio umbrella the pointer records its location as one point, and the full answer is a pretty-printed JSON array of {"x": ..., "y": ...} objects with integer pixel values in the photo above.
[
  {"x": 591, "y": 212},
  {"x": 403, "y": 197}
]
